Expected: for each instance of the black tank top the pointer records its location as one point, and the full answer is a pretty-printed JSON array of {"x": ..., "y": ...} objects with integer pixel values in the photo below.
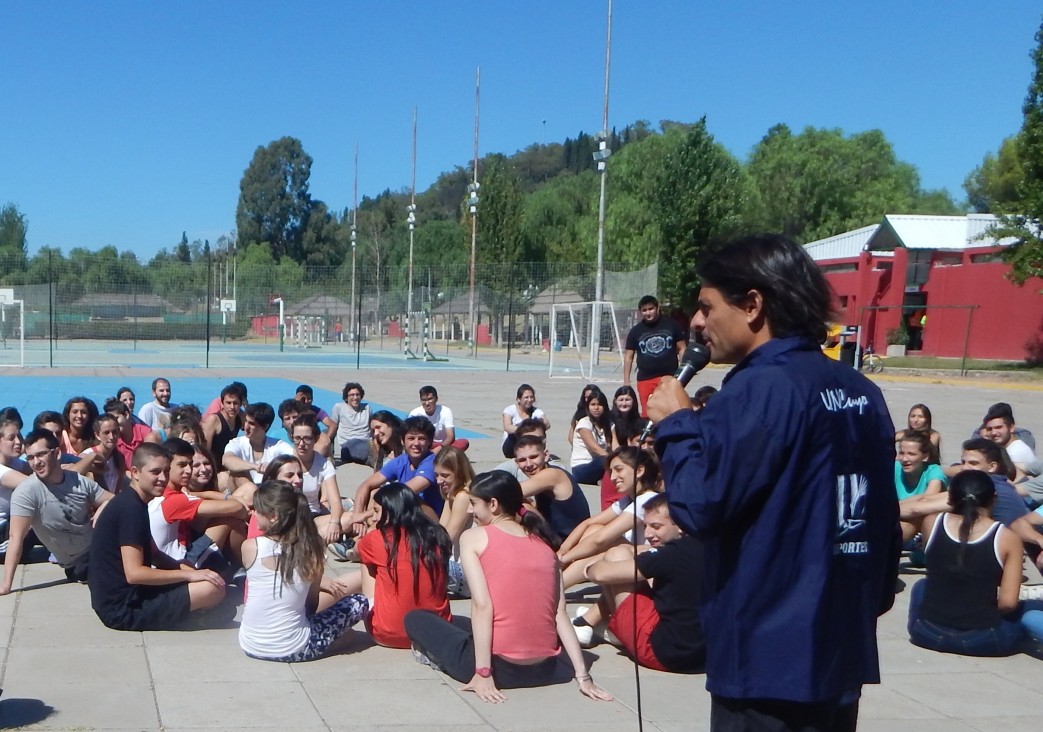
[
  {"x": 222, "y": 438},
  {"x": 962, "y": 595}
]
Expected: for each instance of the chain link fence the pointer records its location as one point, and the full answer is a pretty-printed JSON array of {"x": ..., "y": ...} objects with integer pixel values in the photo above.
[{"x": 191, "y": 312}]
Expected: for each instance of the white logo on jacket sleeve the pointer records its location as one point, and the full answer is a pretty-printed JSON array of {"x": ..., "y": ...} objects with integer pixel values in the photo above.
[
  {"x": 837, "y": 400},
  {"x": 851, "y": 508}
]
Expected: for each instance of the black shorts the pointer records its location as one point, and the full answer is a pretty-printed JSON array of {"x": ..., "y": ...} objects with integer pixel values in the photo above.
[{"x": 162, "y": 607}]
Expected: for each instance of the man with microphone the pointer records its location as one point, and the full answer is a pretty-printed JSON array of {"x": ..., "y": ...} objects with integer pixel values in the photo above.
[{"x": 787, "y": 475}]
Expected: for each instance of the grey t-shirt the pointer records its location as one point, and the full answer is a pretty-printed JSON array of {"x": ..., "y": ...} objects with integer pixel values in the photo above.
[{"x": 60, "y": 513}]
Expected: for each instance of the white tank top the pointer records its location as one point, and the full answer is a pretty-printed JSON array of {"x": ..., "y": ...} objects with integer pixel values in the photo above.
[{"x": 275, "y": 621}]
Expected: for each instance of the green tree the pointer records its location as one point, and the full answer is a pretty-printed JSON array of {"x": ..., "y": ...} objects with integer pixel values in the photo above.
[
  {"x": 698, "y": 197},
  {"x": 182, "y": 252},
  {"x": 13, "y": 241},
  {"x": 274, "y": 201},
  {"x": 1026, "y": 254},
  {"x": 499, "y": 214},
  {"x": 820, "y": 183},
  {"x": 992, "y": 187},
  {"x": 323, "y": 243}
]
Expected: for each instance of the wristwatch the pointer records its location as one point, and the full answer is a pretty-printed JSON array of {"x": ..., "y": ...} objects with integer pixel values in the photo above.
[{"x": 484, "y": 671}]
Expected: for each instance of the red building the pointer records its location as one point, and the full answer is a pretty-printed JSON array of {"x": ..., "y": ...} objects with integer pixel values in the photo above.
[{"x": 940, "y": 276}]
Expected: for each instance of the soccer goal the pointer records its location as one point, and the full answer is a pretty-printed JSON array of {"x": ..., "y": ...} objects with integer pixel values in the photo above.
[
  {"x": 585, "y": 341},
  {"x": 12, "y": 329},
  {"x": 417, "y": 336}
]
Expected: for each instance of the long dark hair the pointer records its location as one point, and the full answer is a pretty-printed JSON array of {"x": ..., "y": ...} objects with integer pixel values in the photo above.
[
  {"x": 630, "y": 423},
  {"x": 581, "y": 405},
  {"x": 276, "y": 464},
  {"x": 377, "y": 452},
  {"x": 506, "y": 489},
  {"x": 92, "y": 414},
  {"x": 401, "y": 515},
  {"x": 604, "y": 422},
  {"x": 291, "y": 525},
  {"x": 636, "y": 458},
  {"x": 926, "y": 415},
  {"x": 970, "y": 490}
]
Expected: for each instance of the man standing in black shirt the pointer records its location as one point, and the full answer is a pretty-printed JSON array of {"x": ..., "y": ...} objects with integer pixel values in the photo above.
[{"x": 658, "y": 343}]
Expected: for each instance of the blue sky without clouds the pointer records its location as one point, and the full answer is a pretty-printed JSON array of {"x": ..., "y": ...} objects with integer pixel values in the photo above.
[{"x": 126, "y": 123}]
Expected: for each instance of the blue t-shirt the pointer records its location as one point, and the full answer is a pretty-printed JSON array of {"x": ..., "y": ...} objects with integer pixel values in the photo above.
[
  {"x": 1009, "y": 506},
  {"x": 931, "y": 472},
  {"x": 399, "y": 469}
]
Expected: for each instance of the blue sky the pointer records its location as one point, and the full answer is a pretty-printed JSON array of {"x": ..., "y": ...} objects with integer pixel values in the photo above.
[{"x": 126, "y": 123}]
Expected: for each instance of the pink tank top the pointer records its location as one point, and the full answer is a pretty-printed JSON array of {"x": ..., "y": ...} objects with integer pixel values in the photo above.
[{"x": 523, "y": 579}]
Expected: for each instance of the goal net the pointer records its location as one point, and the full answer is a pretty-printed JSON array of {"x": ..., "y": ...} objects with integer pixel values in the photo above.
[
  {"x": 585, "y": 341},
  {"x": 12, "y": 329}
]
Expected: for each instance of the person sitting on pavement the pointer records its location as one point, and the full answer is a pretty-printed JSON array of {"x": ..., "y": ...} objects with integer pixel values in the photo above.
[
  {"x": 53, "y": 422},
  {"x": 191, "y": 531},
  {"x": 77, "y": 424},
  {"x": 968, "y": 602},
  {"x": 127, "y": 592},
  {"x": 657, "y": 623},
  {"x": 223, "y": 426},
  {"x": 319, "y": 481},
  {"x": 306, "y": 396},
  {"x": 1003, "y": 408},
  {"x": 635, "y": 474},
  {"x": 558, "y": 496},
  {"x": 441, "y": 417},
  {"x": 1008, "y": 508},
  {"x": 287, "y": 616},
  {"x": 530, "y": 426},
  {"x": 919, "y": 419},
  {"x": 60, "y": 506},
  {"x": 352, "y": 417},
  {"x": 204, "y": 474},
  {"x": 998, "y": 426},
  {"x": 126, "y": 395},
  {"x": 453, "y": 474},
  {"x": 415, "y": 467},
  {"x": 247, "y": 457},
  {"x": 518, "y": 626},
  {"x": 524, "y": 407},
  {"x": 581, "y": 411},
  {"x": 386, "y": 441},
  {"x": 592, "y": 440},
  {"x": 215, "y": 404},
  {"x": 107, "y": 467},
  {"x": 156, "y": 414},
  {"x": 404, "y": 562},
  {"x": 131, "y": 433},
  {"x": 13, "y": 470}
]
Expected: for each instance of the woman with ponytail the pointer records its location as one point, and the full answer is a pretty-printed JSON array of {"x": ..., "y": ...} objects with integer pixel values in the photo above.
[
  {"x": 518, "y": 626},
  {"x": 286, "y": 618},
  {"x": 968, "y": 603}
]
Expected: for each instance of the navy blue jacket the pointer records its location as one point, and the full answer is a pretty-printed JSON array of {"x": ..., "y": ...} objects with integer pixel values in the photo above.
[{"x": 788, "y": 475}]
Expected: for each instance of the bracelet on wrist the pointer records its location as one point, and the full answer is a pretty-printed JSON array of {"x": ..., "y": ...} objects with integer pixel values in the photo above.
[{"x": 581, "y": 679}]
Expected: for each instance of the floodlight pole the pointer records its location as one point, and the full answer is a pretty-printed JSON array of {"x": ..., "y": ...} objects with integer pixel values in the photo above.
[
  {"x": 601, "y": 156},
  {"x": 354, "y": 240},
  {"x": 411, "y": 219},
  {"x": 472, "y": 207}
]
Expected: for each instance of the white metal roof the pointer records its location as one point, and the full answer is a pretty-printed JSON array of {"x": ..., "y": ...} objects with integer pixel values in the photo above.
[
  {"x": 842, "y": 246},
  {"x": 952, "y": 233}
]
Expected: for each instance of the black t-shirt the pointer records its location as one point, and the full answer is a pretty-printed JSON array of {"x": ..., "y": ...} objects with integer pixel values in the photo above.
[
  {"x": 655, "y": 346},
  {"x": 124, "y": 522},
  {"x": 677, "y": 568}
]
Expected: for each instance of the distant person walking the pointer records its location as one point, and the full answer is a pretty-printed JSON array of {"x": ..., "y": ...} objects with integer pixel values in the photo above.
[{"x": 658, "y": 343}]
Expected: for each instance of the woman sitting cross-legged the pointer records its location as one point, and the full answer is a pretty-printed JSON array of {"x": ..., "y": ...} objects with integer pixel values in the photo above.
[
  {"x": 968, "y": 603},
  {"x": 286, "y": 618},
  {"x": 518, "y": 626}
]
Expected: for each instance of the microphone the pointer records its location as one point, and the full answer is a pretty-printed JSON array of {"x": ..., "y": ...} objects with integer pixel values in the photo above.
[{"x": 694, "y": 360}]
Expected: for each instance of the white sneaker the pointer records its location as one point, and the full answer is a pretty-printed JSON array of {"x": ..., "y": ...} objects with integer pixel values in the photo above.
[
  {"x": 1027, "y": 592},
  {"x": 588, "y": 635}
]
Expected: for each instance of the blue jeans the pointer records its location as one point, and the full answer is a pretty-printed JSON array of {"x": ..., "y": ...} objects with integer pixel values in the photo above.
[
  {"x": 589, "y": 473},
  {"x": 1002, "y": 639}
]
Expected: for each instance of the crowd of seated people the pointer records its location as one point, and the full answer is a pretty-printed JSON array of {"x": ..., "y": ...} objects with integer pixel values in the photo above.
[{"x": 161, "y": 513}]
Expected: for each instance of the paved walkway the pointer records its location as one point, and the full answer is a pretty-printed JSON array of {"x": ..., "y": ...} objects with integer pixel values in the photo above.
[{"x": 63, "y": 670}]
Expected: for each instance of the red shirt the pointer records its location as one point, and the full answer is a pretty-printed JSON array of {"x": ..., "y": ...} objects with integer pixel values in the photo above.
[
  {"x": 393, "y": 600},
  {"x": 138, "y": 434}
]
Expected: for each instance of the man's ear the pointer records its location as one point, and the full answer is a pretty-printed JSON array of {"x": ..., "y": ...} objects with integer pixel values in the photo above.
[{"x": 754, "y": 307}]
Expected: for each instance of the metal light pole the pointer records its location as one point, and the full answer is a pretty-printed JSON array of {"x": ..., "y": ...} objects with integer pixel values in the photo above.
[
  {"x": 411, "y": 219},
  {"x": 354, "y": 241},
  {"x": 472, "y": 207},
  {"x": 601, "y": 156}
]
